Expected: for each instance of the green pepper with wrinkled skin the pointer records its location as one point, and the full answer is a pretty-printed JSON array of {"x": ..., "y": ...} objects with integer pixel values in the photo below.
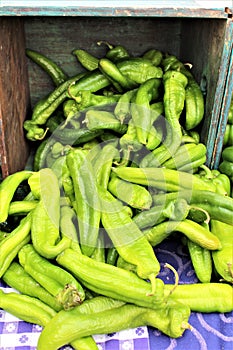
[
  {"x": 32, "y": 310},
  {"x": 45, "y": 232},
  {"x": 171, "y": 320},
  {"x": 223, "y": 259},
  {"x": 58, "y": 282},
  {"x": 86, "y": 199},
  {"x": 13, "y": 242},
  {"x": 16, "y": 277},
  {"x": 117, "y": 283}
]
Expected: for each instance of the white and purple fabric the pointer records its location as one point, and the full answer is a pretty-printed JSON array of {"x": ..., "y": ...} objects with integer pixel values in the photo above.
[{"x": 213, "y": 331}]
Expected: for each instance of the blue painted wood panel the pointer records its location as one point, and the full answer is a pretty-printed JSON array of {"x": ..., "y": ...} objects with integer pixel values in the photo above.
[{"x": 182, "y": 8}]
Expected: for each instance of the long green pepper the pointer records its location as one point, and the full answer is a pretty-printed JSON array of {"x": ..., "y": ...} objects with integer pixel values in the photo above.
[
  {"x": 86, "y": 198},
  {"x": 58, "y": 282}
]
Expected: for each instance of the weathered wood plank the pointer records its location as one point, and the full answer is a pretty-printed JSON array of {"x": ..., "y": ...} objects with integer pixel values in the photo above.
[
  {"x": 14, "y": 94},
  {"x": 155, "y": 8}
]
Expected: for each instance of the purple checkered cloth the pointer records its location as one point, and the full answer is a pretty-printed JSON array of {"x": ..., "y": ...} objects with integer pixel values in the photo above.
[{"x": 210, "y": 331}]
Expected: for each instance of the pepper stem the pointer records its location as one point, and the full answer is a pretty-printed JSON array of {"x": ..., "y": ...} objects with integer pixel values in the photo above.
[
  {"x": 153, "y": 284},
  {"x": 176, "y": 277},
  {"x": 207, "y": 171},
  {"x": 186, "y": 325},
  {"x": 104, "y": 42}
]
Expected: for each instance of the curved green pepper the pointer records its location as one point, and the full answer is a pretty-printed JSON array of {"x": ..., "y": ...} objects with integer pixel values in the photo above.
[
  {"x": 58, "y": 282},
  {"x": 45, "y": 233}
]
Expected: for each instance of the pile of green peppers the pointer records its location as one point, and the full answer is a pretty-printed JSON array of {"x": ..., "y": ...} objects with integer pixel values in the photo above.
[{"x": 119, "y": 168}]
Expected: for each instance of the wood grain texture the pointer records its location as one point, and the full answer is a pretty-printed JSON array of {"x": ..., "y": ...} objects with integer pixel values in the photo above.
[{"x": 14, "y": 92}]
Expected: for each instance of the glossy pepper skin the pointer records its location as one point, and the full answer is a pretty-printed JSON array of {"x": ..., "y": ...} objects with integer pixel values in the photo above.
[
  {"x": 219, "y": 207},
  {"x": 214, "y": 297},
  {"x": 32, "y": 310},
  {"x": 90, "y": 273},
  {"x": 168, "y": 180},
  {"x": 171, "y": 320},
  {"x": 128, "y": 239},
  {"x": 223, "y": 259},
  {"x": 45, "y": 232},
  {"x": 87, "y": 202},
  {"x": 7, "y": 190},
  {"x": 195, "y": 232},
  {"x": 140, "y": 109},
  {"x": 17, "y": 278},
  {"x": 13, "y": 242},
  {"x": 58, "y": 282},
  {"x": 26, "y": 308},
  {"x": 220, "y": 181},
  {"x": 173, "y": 99},
  {"x": 56, "y": 73}
]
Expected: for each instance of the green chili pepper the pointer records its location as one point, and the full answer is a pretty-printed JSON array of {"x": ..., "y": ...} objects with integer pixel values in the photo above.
[
  {"x": 85, "y": 99},
  {"x": 34, "y": 132},
  {"x": 92, "y": 81},
  {"x": 86, "y": 198},
  {"x": 155, "y": 56},
  {"x": 139, "y": 69},
  {"x": 122, "y": 109},
  {"x": 194, "y": 104},
  {"x": 22, "y": 207},
  {"x": 100, "y": 120},
  {"x": 174, "y": 210},
  {"x": 26, "y": 308},
  {"x": 69, "y": 226},
  {"x": 114, "y": 74},
  {"x": 99, "y": 252},
  {"x": 34, "y": 311},
  {"x": 134, "y": 195},
  {"x": 112, "y": 255},
  {"x": 50, "y": 104},
  {"x": 203, "y": 297},
  {"x": 46, "y": 216},
  {"x": 74, "y": 135},
  {"x": 186, "y": 156},
  {"x": 163, "y": 179},
  {"x": 116, "y": 53},
  {"x": 220, "y": 181},
  {"x": 141, "y": 112},
  {"x": 14, "y": 241},
  {"x": 172, "y": 321},
  {"x": 116, "y": 283},
  {"x": 55, "y": 72},
  {"x": 8, "y": 188},
  {"x": 58, "y": 282},
  {"x": 121, "y": 263},
  {"x": 103, "y": 164},
  {"x": 201, "y": 260},
  {"x": 87, "y": 60},
  {"x": 195, "y": 232},
  {"x": 129, "y": 141},
  {"x": 223, "y": 259},
  {"x": 226, "y": 168},
  {"x": 127, "y": 238},
  {"x": 219, "y": 207},
  {"x": 16, "y": 277}
]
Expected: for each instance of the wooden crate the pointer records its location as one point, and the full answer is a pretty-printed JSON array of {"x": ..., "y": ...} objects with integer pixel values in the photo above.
[{"x": 198, "y": 35}]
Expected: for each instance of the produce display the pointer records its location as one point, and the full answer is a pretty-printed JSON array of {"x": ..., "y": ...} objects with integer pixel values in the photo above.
[{"x": 118, "y": 167}]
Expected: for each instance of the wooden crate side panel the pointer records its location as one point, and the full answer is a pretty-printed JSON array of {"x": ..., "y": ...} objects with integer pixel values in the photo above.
[
  {"x": 202, "y": 44},
  {"x": 14, "y": 94},
  {"x": 56, "y": 37},
  {"x": 225, "y": 107}
]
